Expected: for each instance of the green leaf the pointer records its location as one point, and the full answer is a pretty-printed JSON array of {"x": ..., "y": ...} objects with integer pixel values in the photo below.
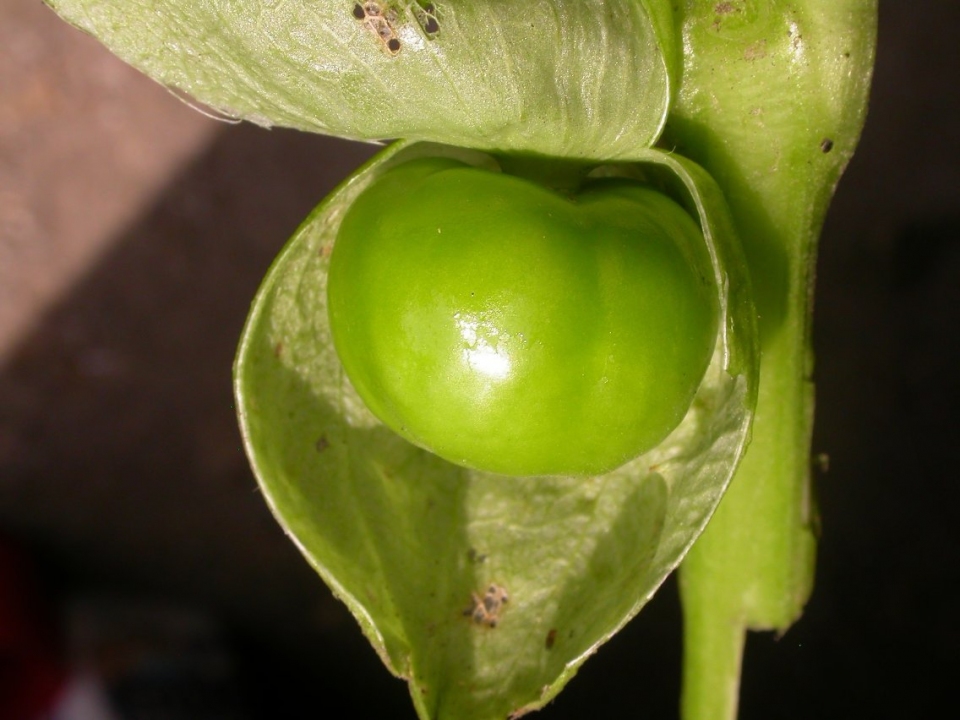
[
  {"x": 565, "y": 78},
  {"x": 407, "y": 540}
]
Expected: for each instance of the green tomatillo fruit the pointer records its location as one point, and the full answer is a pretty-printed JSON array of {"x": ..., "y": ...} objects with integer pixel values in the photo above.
[{"x": 506, "y": 327}]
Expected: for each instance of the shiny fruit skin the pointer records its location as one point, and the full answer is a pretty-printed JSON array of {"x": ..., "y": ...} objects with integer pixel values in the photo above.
[{"x": 508, "y": 328}]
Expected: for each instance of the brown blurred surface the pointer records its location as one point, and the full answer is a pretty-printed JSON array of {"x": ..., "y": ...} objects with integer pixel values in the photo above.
[{"x": 134, "y": 232}]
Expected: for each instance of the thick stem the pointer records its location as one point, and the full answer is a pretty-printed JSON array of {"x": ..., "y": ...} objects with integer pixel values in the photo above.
[
  {"x": 753, "y": 566},
  {"x": 713, "y": 652},
  {"x": 773, "y": 99}
]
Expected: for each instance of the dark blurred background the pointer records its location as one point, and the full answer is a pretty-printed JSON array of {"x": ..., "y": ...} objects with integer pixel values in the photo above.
[{"x": 133, "y": 234}]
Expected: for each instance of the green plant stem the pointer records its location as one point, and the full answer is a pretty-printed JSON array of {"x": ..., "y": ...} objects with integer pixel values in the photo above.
[
  {"x": 753, "y": 566},
  {"x": 712, "y": 655},
  {"x": 777, "y": 153}
]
